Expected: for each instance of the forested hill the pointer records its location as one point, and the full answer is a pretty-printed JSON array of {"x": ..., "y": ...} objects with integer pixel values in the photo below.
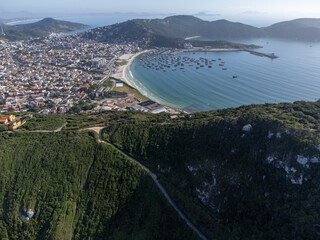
[
  {"x": 245, "y": 173},
  {"x": 173, "y": 30},
  {"x": 170, "y": 31},
  {"x": 74, "y": 188},
  {"x": 38, "y": 29}
]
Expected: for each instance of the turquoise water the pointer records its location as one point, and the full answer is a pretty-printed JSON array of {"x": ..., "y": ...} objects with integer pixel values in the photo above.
[{"x": 294, "y": 76}]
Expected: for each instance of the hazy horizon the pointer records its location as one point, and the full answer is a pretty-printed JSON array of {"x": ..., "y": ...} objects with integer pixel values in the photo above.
[{"x": 250, "y": 12}]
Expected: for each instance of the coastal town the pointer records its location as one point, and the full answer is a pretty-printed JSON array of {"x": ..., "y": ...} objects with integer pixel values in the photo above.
[{"x": 63, "y": 74}]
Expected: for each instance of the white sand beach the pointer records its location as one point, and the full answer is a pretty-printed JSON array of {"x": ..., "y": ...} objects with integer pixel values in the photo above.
[
  {"x": 193, "y": 37},
  {"x": 121, "y": 72}
]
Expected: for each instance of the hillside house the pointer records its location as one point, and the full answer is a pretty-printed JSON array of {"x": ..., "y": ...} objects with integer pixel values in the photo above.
[
  {"x": 6, "y": 119},
  {"x": 14, "y": 125}
]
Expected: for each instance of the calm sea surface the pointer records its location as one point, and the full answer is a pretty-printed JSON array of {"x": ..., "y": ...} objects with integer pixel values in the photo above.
[{"x": 295, "y": 75}]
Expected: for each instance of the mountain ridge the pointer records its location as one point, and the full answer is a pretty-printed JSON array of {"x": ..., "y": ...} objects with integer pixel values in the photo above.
[
  {"x": 302, "y": 29},
  {"x": 38, "y": 29},
  {"x": 251, "y": 168},
  {"x": 173, "y": 30}
]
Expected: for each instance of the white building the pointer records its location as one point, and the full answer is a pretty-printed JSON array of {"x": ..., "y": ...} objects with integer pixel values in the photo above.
[
  {"x": 119, "y": 84},
  {"x": 98, "y": 62},
  {"x": 159, "y": 110}
]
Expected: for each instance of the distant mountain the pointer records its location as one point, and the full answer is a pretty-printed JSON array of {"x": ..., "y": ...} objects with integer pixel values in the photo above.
[
  {"x": 38, "y": 29},
  {"x": 187, "y": 26},
  {"x": 299, "y": 29},
  {"x": 172, "y": 31}
]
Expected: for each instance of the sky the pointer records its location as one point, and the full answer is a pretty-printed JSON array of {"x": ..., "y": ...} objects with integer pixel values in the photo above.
[{"x": 236, "y": 10}]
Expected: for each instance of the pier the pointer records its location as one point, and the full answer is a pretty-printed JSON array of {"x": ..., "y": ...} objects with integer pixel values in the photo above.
[{"x": 260, "y": 54}]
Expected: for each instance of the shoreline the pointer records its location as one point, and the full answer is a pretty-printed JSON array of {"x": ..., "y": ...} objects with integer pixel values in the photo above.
[
  {"x": 122, "y": 75},
  {"x": 122, "y": 71},
  {"x": 190, "y": 38}
]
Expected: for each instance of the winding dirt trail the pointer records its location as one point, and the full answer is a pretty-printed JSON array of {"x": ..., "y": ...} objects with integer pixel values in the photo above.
[{"x": 98, "y": 130}]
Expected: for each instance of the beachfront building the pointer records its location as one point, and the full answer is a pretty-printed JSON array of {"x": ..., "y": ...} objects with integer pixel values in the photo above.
[
  {"x": 158, "y": 109},
  {"x": 153, "y": 107},
  {"x": 119, "y": 84}
]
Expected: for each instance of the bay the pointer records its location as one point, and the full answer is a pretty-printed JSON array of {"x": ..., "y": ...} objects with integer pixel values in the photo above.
[{"x": 294, "y": 76}]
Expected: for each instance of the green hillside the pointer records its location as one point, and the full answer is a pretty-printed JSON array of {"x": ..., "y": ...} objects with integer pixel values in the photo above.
[
  {"x": 171, "y": 31},
  {"x": 187, "y": 26},
  {"x": 236, "y": 184},
  {"x": 231, "y": 179},
  {"x": 78, "y": 189},
  {"x": 38, "y": 29}
]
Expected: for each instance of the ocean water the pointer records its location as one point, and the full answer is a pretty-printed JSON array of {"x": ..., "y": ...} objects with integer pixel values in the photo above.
[{"x": 294, "y": 76}]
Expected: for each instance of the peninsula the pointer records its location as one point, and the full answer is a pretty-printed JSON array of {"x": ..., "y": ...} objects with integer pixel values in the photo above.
[{"x": 38, "y": 29}]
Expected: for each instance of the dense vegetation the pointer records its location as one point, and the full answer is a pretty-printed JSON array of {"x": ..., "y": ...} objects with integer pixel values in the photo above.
[
  {"x": 171, "y": 31},
  {"x": 232, "y": 183},
  {"x": 43, "y": 122},
  {"x": 78, "y": 189},
  {"x": 38, "y": 29},
  {"x": 72, "y": 121}
]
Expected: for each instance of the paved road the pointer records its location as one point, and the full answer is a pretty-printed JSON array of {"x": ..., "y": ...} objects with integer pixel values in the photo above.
[{"x": 154, "y": 178}]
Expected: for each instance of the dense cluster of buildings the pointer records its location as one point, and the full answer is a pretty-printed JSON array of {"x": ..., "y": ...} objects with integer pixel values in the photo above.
[
  {"x": 58, "y": 74},
  {"x": 54, "y": 74}
]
